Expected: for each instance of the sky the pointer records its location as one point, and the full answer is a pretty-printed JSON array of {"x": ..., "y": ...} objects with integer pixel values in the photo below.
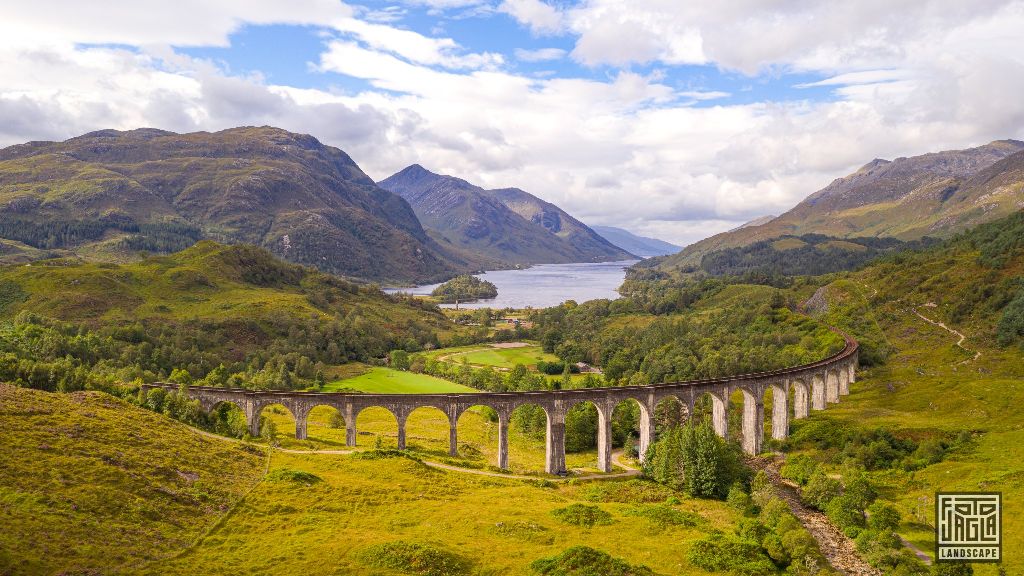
[{"x": 671, "y": 119}]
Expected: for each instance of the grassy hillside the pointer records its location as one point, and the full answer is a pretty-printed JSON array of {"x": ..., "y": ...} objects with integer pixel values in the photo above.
[
  {"x": 232, "y": 311},
  {"x": 358, "y": 511},
  {"x": 387, "y": 381},
  {"x": 107, "y": 195},
  {"x": 90, "y": 484},
  {"x": 935, "y": 194},
  {"x": 964, "y": 397}
]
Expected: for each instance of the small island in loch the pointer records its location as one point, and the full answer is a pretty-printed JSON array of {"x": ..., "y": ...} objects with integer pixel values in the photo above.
[{"x": 464, "y": 288}]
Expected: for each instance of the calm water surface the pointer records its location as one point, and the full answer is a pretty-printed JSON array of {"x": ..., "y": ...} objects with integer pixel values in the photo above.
[{"x": 545, "y": 285}]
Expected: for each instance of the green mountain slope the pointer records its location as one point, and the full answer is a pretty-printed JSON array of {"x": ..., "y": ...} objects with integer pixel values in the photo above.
[
  {"x": 93, "y": 485},
  {"x": 497, "y": 227},
  {"x": 109, "y": 193},
  {"x": 934, "y": 194},
  {"x": 961, "y": 395},
  {"x": 68, "y": 325}
]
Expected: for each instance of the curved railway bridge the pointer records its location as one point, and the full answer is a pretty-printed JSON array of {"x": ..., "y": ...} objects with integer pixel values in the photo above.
[{"x": 813, "y": 387}]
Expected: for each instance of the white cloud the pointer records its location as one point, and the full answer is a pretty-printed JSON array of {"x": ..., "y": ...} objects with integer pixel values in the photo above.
[
  {"x": 540, "y": 17},
  {"x": 416, "y": 47},
  {"x": 540, "y": 54},
  {"x": 626, "y": 148}
]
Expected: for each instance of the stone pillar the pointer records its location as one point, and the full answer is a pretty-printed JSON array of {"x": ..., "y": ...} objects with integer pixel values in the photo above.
[
  {"x": 300, "y": 425},
  {"x": 831, "y": 387},
  {"x": 844, "y": 382},
  {"x": 753, "y": 423},
  {"x": 350, "y": 425},
  {"x": 503, "y": 440},
  {"x": 801, "y": 402},
  {"x": 720, "y": 412},
  {"x": 555, "y": 441},
  {"x": 780, "y": 411},
  {"x": 852, "y": 371},
  {"x": 646, "y": 431},
  {"x": 401, "y": 430},
  {"x": 817, "y": 392},
  {"x": 453, "y": 438},
  {"x": 604, "y": 438},
  {"x": 252, "y": 418}
]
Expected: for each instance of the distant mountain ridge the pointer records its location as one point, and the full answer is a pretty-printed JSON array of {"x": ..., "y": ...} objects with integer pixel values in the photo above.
[
  {"x": 497, "y": 227},
  {"x": 935, "y": 194},
  {"x": 108, "y": 193},
  {"x": 640, "y": 245}
]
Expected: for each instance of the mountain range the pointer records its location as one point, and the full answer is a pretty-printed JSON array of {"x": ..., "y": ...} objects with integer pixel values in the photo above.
[
  {"x": 498, "y": 227},
  {"x": 108, "y": 193},
  {"x": 640, "y": 245},
  {"x": 931, "y": 195}
]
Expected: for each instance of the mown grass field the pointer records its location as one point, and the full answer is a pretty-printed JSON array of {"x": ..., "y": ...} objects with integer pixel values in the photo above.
[
  {"x": 381, "y": 380},
  {"x": 90, "y": 484},
  {"x": 504, "y": 357},
  {"x": 328, "y": 526}
]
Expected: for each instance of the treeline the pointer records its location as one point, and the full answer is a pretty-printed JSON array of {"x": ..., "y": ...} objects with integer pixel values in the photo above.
[
  {"x": 751, "y": 334},
  {"x": 161, "y": 237},
  {"x": 806, "y": 255},
  {"x": 285, "y": 352}
]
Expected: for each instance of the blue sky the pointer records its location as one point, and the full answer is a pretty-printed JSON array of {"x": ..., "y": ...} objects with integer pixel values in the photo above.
[
  {"x": 288, "y": 54},
  {"x": 672, "y": 119}
]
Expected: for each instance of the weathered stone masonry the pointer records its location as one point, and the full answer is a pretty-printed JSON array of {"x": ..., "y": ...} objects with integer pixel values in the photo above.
[{"x": 814, "y": 386}]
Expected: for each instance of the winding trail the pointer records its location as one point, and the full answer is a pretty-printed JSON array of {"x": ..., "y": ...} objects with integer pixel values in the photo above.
[
  {"x": 959, "y": 343},
  {"x": 628, "y": 471},
  {"x": 839, "y": 550}
]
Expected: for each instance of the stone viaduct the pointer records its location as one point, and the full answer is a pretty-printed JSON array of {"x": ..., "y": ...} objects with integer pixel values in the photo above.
[{"x": 813, "y": 387}]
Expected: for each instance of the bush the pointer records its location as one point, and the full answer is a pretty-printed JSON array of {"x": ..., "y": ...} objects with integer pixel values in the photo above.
[
  {"x": 718, "y": 553},
  {"x": 739, "y": 499},
  {"x": 798, "y": 468},
  {"x": 586, "y": 561},
  {"x": 883, "y": 517},
  {"x": 412, "y": 558},
  {"x": 845, "y": 512},
  {"x": 289, "y": 475},
  {"x": 582, "y": 515},
  {"x": 820, "y": 490}
]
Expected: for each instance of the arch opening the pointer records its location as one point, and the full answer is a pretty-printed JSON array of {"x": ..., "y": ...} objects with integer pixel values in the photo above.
[
  {"x": 527, "y": 440},
  {"x": 427, "y": 429},
  {"x": 376, "y": 427},
  {"x": 325, "y": 425},
  {"x": 479, "y": 429},
  {"x": 276, "y": 424},
  {"x": 227, "y": 418}
]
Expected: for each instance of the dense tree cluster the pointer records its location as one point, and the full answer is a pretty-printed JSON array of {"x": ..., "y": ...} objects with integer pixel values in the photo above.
[
  {"x": 806, "y": 255},
  {"x": 464, "y": 289},
  {"x": 750, "y": 335}
]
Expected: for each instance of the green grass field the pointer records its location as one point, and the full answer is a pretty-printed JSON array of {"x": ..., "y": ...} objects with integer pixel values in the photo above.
[
  {"x": 497, "y": 526},
  {"x": 76, "y": 498},
  {"x": 90, "y": 484},
  {"x": 487, "y": 355},
  {"x": 426, "y": 435},
  {"x": 380, "y": 380}
]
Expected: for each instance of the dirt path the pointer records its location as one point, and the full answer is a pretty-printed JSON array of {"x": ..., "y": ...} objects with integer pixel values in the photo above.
[
  {"x": 959, "y": 343},
  {"x": 837, "y": 548},
  {"x": 628, "y": 472}
]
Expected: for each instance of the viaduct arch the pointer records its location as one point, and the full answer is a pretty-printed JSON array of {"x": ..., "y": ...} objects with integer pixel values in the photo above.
[{"x": 814, "y": 387}]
